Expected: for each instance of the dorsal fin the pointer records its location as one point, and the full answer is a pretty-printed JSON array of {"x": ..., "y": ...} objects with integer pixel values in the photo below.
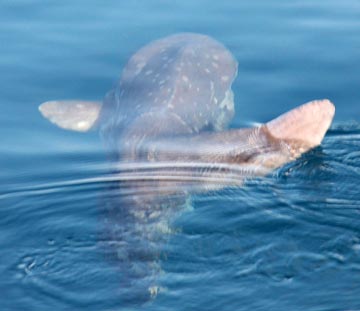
[
  {"x": 307, "y": 123},
  {"x": 76, "y": 115}
]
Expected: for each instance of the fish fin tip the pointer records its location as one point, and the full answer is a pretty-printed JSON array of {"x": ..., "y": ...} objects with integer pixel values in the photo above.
[
  {"x": 308, "y": 123},
  {"x": 75, "y": 115}
]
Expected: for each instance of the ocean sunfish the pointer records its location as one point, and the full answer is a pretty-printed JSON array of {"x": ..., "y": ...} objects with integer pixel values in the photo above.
[
  {"x": 166, "y": 121},
  {"x": 173, "y": 105}
]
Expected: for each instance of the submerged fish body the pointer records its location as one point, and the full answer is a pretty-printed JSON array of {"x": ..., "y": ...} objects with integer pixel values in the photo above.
[{"x": 167, "y": 120}]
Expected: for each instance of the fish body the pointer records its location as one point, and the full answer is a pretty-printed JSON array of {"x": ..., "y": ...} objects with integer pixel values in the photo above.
[
  {"x": 166, "y": 120},
  {"x": 173, "y": 103}
]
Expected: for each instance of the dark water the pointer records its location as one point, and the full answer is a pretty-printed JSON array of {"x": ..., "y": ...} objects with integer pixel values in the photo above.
[{"x": 289, "y": 241}]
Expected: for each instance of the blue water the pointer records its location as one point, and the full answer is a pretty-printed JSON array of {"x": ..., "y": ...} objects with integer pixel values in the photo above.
[{"x": 288, "y": 241}]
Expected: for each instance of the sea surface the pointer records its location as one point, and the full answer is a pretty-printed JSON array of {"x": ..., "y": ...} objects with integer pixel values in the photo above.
[{"x": 286, "y": 241}]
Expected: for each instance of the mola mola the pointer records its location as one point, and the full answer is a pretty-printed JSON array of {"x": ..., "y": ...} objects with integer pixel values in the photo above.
[
  {"x": 174, "y": 102},
  {"x": 166, "y": 121}
]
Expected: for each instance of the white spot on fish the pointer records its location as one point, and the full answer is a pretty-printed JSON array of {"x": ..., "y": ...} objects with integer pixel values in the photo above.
[
  {"x": 139, "y": 67},
  {"x": 212, "y": 91},
  {"x": 216, "y": 57},
  {"x": 224, "y": 78},
  {"x": 161, "y": 82},
  {"x": 171, "y": 106},
  {"x": 215, "y": 65},
  {"x": 149, "y": 72},
  {"x": 140, "y": 64},
  {"x": 150, "y": 94},
  {"x": 198, "y": 89},
  {"x": 79, "y": 106},
  {"x": 82, "y": 125},
  {"x": 228, "y": 101},
  {"x": 179, "y": 119},
  {"x": 207, "y": 70},
  {"x": 185, "y": 78}
]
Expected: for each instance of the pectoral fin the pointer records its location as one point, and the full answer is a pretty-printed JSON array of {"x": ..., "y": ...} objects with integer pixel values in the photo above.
[
  {"x": 73, "y": 115},
  {"x": 307, "y": 123}
]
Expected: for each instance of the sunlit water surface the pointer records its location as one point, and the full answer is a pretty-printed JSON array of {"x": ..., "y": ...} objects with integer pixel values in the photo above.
[{"x": 288, "y": 241}]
